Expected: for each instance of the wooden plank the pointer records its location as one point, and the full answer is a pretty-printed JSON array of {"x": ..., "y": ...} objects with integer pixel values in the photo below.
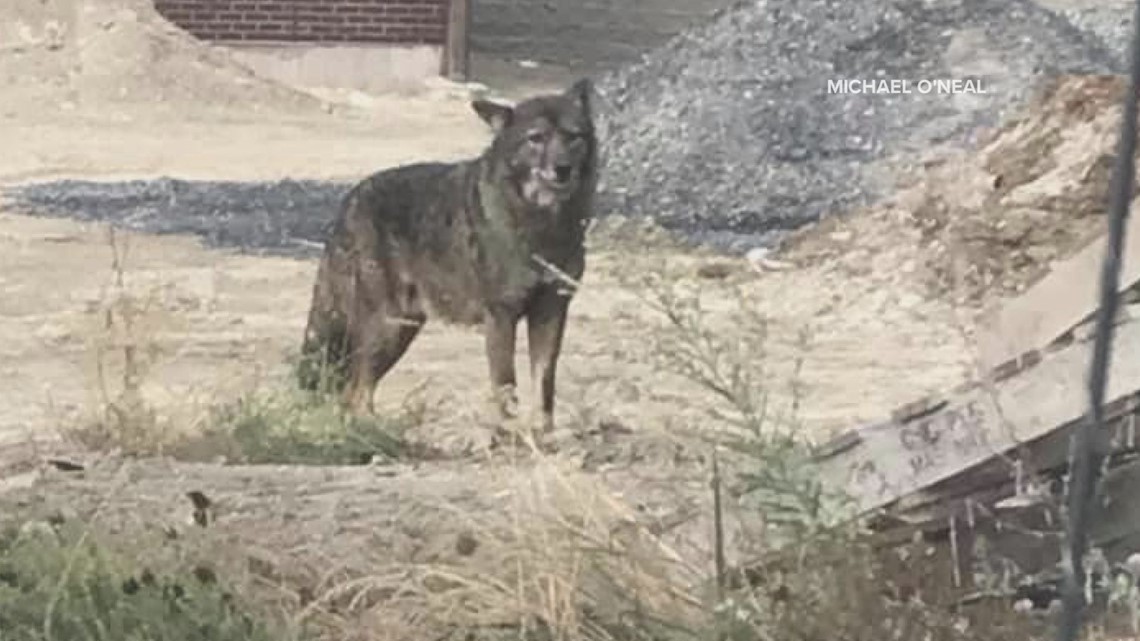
[
  {"x": 457, "y": 54},
  {"x": 1058, "y": 303},
  {"x": 893, "y": 459},
  {"x": 1046, "y": 456}
]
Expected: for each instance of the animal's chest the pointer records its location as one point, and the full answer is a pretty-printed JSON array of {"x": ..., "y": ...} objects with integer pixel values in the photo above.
[
  {"x": 507, "y": 268},
  {"x": 521, "y": 252},
  {"x": 513, "y": 270}
]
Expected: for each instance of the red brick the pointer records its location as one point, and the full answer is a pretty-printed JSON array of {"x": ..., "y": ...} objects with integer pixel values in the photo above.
[{"x": 311, "y": 20}]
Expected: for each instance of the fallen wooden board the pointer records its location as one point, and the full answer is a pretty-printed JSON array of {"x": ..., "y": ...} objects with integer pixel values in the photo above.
[
  {"x": 1056, "y": 304},
  {"x": 1039, "y": 459},
  {"x": 880, "y": 464}
]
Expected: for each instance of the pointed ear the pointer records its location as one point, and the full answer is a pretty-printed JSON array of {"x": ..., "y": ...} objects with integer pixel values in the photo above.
[
  {"x": 581, "y": 92},
  {"x": 495, "y": 114}
]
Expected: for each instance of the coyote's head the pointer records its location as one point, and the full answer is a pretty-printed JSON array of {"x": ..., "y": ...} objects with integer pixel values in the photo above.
[{"x": 544, "y": 146}]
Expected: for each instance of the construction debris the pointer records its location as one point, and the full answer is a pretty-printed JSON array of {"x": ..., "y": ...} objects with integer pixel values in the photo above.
[{"x": 984, "y": 468}]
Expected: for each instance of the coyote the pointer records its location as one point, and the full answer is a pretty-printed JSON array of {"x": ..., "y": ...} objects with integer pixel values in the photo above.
[{"x": 487, "y": 241}]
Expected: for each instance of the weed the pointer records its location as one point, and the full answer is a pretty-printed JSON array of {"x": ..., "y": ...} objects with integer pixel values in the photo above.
[
  {"x": 570, "y": 561},
  {"x": 820, "y": 573},
  {"x": 58, "y": 584},
  {"x": 778, "y": 477},
  {"x": 123, "y": 349}
]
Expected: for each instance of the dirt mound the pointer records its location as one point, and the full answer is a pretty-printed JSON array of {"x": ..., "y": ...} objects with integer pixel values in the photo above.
[
  {"x": 993, "y": 223},
  {"x": 120, "y": 56},
  {"x": 989, "y": 223},
  {"x": 447, "y": 548}
]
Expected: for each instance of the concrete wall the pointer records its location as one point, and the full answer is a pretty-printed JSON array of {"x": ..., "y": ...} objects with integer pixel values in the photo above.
[
  {"x": 375, "y": 68},
  {"x": 586, "y": 34}
]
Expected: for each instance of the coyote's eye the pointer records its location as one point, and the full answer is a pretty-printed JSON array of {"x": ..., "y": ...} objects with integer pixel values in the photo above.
[{"x": 535, "y": 137}]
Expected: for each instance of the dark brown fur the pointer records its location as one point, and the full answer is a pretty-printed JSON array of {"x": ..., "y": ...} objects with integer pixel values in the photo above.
[{"x": 459, "y": 241}]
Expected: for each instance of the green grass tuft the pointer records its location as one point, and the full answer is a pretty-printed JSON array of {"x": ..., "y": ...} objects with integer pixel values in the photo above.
[{"x": 295, "y": 428}]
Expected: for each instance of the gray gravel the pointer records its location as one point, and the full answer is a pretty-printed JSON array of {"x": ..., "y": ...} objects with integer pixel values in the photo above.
[
  {"x": 1110, "y": 21},
  {"x": 729, "y": 132}
]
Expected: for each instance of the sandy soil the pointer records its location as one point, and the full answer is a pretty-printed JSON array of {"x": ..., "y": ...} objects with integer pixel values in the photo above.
[
  {"x": 231, "y": 317},
  {"x": 852, "y": 329},
  {"x": 850, "y": 337},
  {"x": 865, "y": 314}
]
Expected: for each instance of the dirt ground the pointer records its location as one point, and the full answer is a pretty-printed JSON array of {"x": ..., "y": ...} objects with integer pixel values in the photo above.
[
  {"x": 864, "y": 314},
  {"x": 78, "y": 106},
  {"x": 855, "y": 328},
  {"x": 227, "y": 323},
  {"x": 238, "y": 316}
]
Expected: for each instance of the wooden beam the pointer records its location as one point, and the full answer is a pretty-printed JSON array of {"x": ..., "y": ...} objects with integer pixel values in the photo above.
[
  {"x": 1055, "y": 304},
  {"x": 882, "y": 463},
  {"x": 457, "y": 53}
]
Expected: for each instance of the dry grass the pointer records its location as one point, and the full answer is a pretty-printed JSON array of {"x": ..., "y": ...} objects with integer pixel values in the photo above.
[
  {"x": 123, "y": 348},
  {"x": 573, "y": 563}
]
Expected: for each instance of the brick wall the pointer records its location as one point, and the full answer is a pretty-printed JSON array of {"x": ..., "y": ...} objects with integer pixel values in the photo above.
[
  {"x": 322, "y": 21},
  {"x": 589, "y": 34}
]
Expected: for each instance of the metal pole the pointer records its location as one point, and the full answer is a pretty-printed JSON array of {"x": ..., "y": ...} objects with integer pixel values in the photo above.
[{"x": 1086, "y": 456}]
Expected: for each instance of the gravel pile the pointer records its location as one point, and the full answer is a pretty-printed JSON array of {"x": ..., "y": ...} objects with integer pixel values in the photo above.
[
  {"x": 1109, "y": 20},
  {"x": 729, "y": 133},
  {"x": 287, "y": 217}
]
